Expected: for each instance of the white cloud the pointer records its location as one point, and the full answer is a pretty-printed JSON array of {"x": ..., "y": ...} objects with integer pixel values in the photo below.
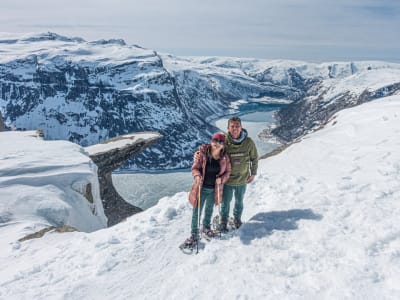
[{"x": 253, "y": 28}]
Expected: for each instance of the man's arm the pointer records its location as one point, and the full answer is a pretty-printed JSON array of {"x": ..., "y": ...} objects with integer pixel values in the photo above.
[{"x": 253, "y": 161}]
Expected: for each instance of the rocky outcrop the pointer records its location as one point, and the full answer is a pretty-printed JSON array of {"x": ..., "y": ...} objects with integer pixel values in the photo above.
[
  {"x": 109, "y": 156},
  {"x": 2, "y": 126},
  {"x": 42, "y": 232}
]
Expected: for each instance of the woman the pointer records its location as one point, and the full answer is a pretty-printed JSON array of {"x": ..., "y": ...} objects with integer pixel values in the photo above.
[{"x": 210, "y": 171}]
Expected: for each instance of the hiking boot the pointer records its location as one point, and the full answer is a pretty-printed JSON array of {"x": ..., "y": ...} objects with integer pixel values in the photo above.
[
  {"x": 208, "y": 232},
  {"x": 223, "y": 226},
  {"x": 191, "y": 241},
  {"x": 237, "y": 223}
]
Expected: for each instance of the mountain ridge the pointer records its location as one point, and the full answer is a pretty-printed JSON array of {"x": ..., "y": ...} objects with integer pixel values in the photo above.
[{"x": 88, "y": 92}]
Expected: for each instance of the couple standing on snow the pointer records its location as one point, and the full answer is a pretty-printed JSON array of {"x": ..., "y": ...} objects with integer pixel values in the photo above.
[{"x": 222, "y": 169}]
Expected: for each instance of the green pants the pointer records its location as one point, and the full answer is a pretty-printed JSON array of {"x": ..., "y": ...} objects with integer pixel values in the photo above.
[
  {"x": 207, "y": 198},
  {"x": 227, "y": 196}
]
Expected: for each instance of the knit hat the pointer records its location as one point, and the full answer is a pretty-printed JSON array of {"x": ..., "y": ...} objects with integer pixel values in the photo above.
[{"x": 219, "y": 136}]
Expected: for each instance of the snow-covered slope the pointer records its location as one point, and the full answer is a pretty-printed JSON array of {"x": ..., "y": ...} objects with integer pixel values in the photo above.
[
  {"x": 46, "y": 183},
  {"x": 321, "y": 223},
  {"x": 88, "y": 92}
]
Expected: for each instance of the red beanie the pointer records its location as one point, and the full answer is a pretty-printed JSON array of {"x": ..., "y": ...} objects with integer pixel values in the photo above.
[{"x": 219, "y": 136}]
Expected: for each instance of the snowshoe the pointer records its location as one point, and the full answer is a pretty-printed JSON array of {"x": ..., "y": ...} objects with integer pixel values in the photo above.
[
  {"x": 190, "y": 244},
  {"x": 224, "y": 227},
  {"x": 231, "y": 224},
  {"x": 208, "y": 233},
  {"x": 219, "y": 226}
]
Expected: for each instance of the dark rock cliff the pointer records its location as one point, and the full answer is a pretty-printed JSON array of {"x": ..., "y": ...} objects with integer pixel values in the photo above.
[
  {"x": 2, "y": 126},
  {"x": 108, "y": 158}
]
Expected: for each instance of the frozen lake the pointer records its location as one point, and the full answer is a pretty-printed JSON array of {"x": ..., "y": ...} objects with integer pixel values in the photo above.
[{"x": 145, "y": 189}]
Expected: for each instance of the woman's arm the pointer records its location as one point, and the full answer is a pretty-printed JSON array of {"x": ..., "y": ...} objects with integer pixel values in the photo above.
[
  {"x": 228, "y": 168},
  {"x": 196, "y": 167}
]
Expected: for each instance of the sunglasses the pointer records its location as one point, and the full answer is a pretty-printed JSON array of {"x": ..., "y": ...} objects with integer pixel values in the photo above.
[{"x": 218, "y": 142}]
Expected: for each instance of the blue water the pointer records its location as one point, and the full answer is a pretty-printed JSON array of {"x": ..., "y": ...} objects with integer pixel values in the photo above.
[{"x": 255, "y": 122}]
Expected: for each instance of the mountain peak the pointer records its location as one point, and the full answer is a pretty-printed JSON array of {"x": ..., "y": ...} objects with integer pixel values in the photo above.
[
  {"x": 120, "y": 42},
  {"x": 49, "y": 36}
]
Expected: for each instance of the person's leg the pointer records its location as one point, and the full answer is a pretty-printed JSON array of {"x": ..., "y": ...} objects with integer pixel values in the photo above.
[
  {"x": 195, "y": 214},
  {"x": 239, "y": 195},
  {"x": 209, "y": 203},
  {"x": 226, "y": 200}
]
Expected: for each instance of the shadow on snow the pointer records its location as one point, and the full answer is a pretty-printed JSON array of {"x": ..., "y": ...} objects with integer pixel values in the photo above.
[{"x": 263, "y": 224}]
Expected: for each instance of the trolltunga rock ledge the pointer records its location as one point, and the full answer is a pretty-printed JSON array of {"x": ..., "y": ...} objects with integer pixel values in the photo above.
[{"x": 110, "y": 155}]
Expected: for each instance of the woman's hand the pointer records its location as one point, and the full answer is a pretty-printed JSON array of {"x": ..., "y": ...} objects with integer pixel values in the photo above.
[
  {"x": 196, "y": 155},
  {"x": 197, "y": 179},
  {"x": 218, "y": 181}
]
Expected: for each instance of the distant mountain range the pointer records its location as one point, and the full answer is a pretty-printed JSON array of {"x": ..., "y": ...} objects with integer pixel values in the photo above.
[{"x": 87, "y": 92}]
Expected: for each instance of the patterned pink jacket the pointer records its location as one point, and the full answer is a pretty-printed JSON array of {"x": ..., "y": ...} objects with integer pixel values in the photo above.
[{"x": 199, "y": 169}]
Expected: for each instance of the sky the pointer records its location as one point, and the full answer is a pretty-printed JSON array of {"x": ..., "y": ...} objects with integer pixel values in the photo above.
[{"x": 311, "y": 30}]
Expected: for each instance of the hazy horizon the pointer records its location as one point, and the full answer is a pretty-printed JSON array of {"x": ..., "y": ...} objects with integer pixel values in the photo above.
[{"x": 300, "y": 30}]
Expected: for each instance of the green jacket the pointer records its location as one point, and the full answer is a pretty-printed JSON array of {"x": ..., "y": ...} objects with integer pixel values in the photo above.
[{"x": 244, "y": 159}]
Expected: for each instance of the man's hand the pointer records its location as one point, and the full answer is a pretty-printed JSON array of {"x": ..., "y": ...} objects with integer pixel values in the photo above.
[
  {"x": 197, "y": 179},
  {"x": 218, "y": 181},
  {"x": 251, "y": 178}
]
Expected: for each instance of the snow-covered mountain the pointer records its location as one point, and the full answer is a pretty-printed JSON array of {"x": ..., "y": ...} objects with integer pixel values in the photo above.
[
  {"x": 358, "y": 83},
  {"x": 88, "y": 92},
  {"x": 321, "y": 222}
]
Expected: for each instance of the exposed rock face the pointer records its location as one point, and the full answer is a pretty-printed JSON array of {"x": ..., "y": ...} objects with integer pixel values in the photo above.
[
  {"x": 2, "y": 126},
  {"x": 42, "y": 232},
  {"x": 109, "y": 156}
]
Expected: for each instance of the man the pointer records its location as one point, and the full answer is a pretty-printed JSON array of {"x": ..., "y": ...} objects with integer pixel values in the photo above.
[{"x": 244, "y": 160}]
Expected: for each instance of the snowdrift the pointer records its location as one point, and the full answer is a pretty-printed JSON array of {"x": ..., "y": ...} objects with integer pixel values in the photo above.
[{"x": 47, "y": 183}]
